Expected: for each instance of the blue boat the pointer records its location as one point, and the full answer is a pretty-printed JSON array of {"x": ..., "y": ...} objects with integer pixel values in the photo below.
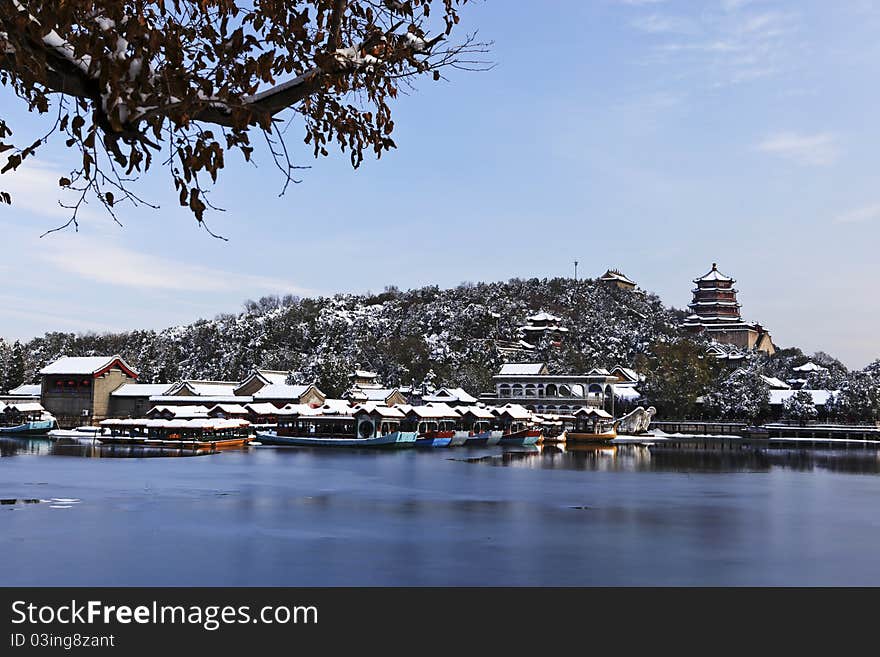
[
  {"x": 393, "y": 439},
  {"x": 367, "y": 426},
  {"x": 526, "y": 436},
  {"x": 478, "y": 439},
  {"x": 29, "y": 428},
  {"x": 434, "y": 439}
]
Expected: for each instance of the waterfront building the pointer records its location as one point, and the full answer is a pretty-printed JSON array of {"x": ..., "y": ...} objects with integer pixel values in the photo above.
[
  {"x": 76, "y": 390},
  {"x": 801, "y": 378},
  {"x": 28, "y": 392},
  {"x": 201, "y": 388},
  {"x": 281, "y": 394},
  {"x": 132, "y": 400},
  {"x": 366, "y": 388},
  {"x": 451, "y": 396},
  {"x": 618, "y": 279},
  {"x": 259, "y": 379},
  {"x": 542, "y": 325},
  {"x": 532, "y": 386},
  {"x": 229, "y": 411},
  {"x": 715, "y": 311}
]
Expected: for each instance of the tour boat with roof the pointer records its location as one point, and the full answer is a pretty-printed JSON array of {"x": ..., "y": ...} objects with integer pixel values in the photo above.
[
  {"x": 365, "y": 425},
  {"x": 592, "y": 425},
  {"x": 434, "y": 424},
  {"x": 197, "y": 433},
  {"x": 516, "y": 426},
  {"x": 25, "y": 419},
  {"x": 475, "y": 424}
]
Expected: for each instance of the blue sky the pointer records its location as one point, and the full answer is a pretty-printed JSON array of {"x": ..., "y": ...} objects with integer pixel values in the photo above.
[{"x": 655, "y": 136}]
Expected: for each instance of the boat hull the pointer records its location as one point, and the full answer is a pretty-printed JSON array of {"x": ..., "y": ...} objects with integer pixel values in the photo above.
[
  {"x": 580, "y": 437},
  {"x": 174, "y": 444},
  {"x": 524, "y": 437},
  {"x": 460, "y": 438},
  {"x": 395, "y": 439},
  {"x": 480, "y": 439},
  {"x": 42, "y": 426}
]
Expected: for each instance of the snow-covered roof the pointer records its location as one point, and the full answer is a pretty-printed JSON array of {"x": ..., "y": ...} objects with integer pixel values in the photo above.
[
  {"x": 89, "y": 365},
  {"x": 204, "y": 388},
  {"x": 810, "y": 366},
  {"x": 433, "y": 411},
  {"x": 379, "y": 409},
  {"x": 517, "y": 369},
  {"x": 820, "y": 397},
  {"x": 626, "y": 392},
  {"x": 371, "y": 394},
  {"x": 476, "y": 411},
  {"x": 544, "y": 317},
  {"x": 264, "y": 408},
  {"x": 228, "y": 409},
  {"x": 614, "y": 275},
  {"x": 336, "y": 406},
  {"x": 514, "y": 411},
  {"x": 266, "y": 377},
  {"x": 202, "y": 399},
  {"x": 281, "y": 391},
  {"x": 300, "y": 409},
  {"x": 451, "y": 395},
  {"x": 544, "y": 329},
  {"x": 273, "y": 376},
  {"x": 195, "y": 423},
  {"x": 141, "y": 389},
  {"x": 593, "y": 412},
  {"x": 191, "y": 410},
  {"x": 25, "y": 407},
  {"x": 598, "y": 371},
  {"x": 713, "y": 275},
  {"x": 27, "y": 390},
  {"x": 626, "y": 373},
  {"x": 364, "y": 374},
  {"x": 775, "y": 383}
]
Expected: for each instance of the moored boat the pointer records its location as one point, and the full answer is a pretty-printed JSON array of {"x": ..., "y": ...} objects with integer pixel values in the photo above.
[
  {"x": 25, "y": 419},
  {"x": 199, "y": 433},
  {"x": 517, "y": 426},
  {"x": 367, "y": 426},
  {"x": 80, "y": 434},
  {"x": 434, "y": 424},
  {"x": 592, "y": 425},
  {"x": 476, "y": 425}
]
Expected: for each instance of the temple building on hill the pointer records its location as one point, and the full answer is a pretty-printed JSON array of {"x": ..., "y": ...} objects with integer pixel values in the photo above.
[
  {"x": 540, "y": 325},
  {"x": 715, "y": 312},
  {"x": 617, "y": 278}
]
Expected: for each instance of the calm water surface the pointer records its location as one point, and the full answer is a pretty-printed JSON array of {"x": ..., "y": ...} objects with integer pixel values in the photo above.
[{"x": 288, "y": 516}]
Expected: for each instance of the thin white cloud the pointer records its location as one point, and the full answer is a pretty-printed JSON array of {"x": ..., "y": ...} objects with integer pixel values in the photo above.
[
  {"x": 809, "y": 150},
  {"x": 640, "y": 3},
  {"x": 729, "y": 44},
  {"x": 101, "y": 261},
  {"x": 34, "y": 189},
  {"x": 665, "y": 24},
  {"x": 859, "y": 215}
]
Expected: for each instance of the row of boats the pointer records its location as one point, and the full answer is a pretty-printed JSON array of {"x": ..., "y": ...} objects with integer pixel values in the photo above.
[{"x": 363, "y": 425}]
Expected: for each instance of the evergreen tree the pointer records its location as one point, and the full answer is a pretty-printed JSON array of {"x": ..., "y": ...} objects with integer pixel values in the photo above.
[{"x": 800, "y": 407}]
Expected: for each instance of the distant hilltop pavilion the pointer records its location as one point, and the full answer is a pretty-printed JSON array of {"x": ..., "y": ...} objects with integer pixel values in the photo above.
[{"x": 715, "y": 311}]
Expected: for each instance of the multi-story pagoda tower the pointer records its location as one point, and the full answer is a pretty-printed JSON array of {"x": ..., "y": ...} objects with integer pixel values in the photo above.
[{"x": 716, "y": 311}]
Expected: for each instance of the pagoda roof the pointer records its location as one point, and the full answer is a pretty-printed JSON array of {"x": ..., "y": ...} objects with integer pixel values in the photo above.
[
  {"x": 615, "y": 275},
  {"x": 713, "y": 275},
  {"x": 544, "y": 317}
]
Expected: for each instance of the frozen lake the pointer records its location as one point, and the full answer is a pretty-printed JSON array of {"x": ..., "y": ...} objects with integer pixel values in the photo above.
[{"x": 540, "y": 516}]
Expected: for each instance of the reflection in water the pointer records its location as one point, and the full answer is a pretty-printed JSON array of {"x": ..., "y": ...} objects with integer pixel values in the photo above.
[
  {"x": 639, "y": 458},
  {"x": 46, "y": 447},
  {"x": 600, "y": 457}
]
